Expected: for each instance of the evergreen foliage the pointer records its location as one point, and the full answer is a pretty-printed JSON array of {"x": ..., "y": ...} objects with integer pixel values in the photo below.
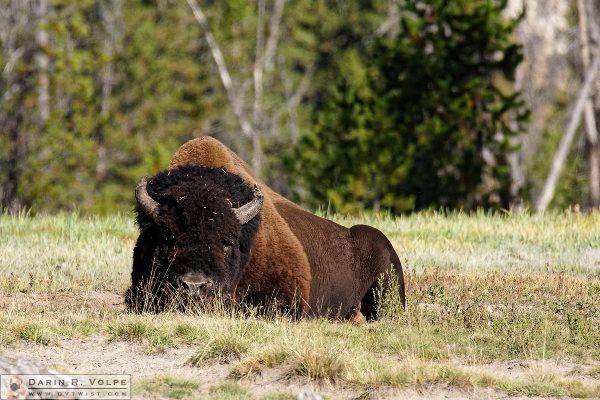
[{"x": 422, "y": 119}]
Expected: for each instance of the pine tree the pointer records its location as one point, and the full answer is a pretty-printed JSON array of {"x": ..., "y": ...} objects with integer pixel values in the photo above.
[{"x": 422, "y": 119}]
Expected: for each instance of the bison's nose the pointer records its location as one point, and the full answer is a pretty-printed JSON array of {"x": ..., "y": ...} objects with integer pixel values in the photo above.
[{"x": 196, "y": 284}]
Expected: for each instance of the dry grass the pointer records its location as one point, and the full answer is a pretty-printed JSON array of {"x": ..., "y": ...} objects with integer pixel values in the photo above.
[
  {"x": 319, "y": 363},
  {"x": 480, "y": 289},
  {"x": 261, "y": 359}
]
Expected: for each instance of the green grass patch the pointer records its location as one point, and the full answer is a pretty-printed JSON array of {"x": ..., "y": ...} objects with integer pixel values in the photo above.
[
  {"x": 222, "y": 348},
  {"x": 159, "y": 344},
  {"x": 279, "y": 396},
  {"x": 32, "y": 332},
  {"x": 190, "y": 334},
  {"x": 416, "y": 373},
  {"x": 133, "y": 331},
  {"x": 78, "y": 253},
  {"x": 168, "y": 387},
  {"x": 229, "y": 391}
]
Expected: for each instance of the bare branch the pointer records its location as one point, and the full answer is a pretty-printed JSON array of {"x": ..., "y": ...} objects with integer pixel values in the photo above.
[
  {"x": 565, "y": 143},
  {"x": 222, "y": 69},
  {"x": 292, "y": 111},
  {"x": 274, "y": 25},
  {"x": 43, "y": 63},
  {"x": 391, "y": 21},
  {"x": 257, "y": 71},
  {"x": 258, "y": 87},
  {"x": 13, "y": 58},
  {"x": 303, "y": 86},
  {"x": 294, "y": 99},
  {"x": 595, "y": 37}
]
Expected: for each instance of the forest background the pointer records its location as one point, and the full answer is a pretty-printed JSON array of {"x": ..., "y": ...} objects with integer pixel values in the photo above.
[{"x": 396, "y": 105}]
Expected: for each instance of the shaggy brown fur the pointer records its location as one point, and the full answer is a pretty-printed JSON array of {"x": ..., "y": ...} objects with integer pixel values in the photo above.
[{"x": 328, "y": 267}]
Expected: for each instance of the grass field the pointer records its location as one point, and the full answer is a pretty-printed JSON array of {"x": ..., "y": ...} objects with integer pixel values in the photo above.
[{"x": 498, "y": 306}]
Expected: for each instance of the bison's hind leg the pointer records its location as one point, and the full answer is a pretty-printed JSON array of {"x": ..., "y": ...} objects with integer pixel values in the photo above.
[
  {"x": 368, "y": 308},
  {"x": 388, "y": 290},
  {"x": 379, "y": 264}
]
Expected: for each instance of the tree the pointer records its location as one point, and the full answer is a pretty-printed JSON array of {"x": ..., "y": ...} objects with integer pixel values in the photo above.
[
  {"x": 18, "y": 26},
  {"x": 422, "y": 119},
  {"x": 63, "y": 154}
]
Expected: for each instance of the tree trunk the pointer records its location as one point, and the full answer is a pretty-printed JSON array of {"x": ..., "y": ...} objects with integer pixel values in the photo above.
[
  {"x": 43, "y": 63},
  {"x": 515, "y": 158},
  {"x": 272, "y": 41},
  {"x": 111, "y": 16},
  {"x": 257, "y": 73},
  {"x": 234, "y": 101},
  {"x": 16, "y": 44},
  {"x": 15, "y": 162},
  {"x": 565, "y": 143},
  {"x": 590, "y": 120}
]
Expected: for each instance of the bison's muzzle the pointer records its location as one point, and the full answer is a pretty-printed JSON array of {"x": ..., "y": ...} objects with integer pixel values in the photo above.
[{"x": 197, "y": 284}]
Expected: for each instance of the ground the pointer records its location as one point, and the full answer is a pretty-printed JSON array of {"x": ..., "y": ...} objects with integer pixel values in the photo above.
[{"x": 499, "y": 306}]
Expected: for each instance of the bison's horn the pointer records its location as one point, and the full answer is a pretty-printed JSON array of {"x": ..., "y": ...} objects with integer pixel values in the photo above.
[
  {"x": 147, "y": 203},
  {"x": 248, "y": 211}
]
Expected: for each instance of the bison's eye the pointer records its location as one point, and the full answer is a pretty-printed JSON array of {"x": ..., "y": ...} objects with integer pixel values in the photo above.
[{"x": 227, "y": 247}]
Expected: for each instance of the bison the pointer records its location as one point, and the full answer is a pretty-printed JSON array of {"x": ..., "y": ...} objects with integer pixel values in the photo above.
[{"x": 208, "y": 224}]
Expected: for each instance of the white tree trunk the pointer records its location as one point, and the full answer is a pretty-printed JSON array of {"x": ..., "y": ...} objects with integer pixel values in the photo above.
[
  {"x": 257, "y": 73},
  {"x": 565, "y": 143},
  {"x": 43, "y": 63},
  {"x": 219, "y": 60},
  {"x": 273, "y": 40},
  {"x": 590, "y": 120},
  {"x": 112, "y": 18}
]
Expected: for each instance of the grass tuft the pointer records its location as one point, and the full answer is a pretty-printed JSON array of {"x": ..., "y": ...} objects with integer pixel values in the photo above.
[
  {"x": 132, "y": 331},
  {"x": 229, "y": 391},
  {"x": 159, "y": 344},
  {"x": 191, "y": 334},
  {"x": 387, "y": 296},
  {"x": 594, "y": 371},
  {"x": 251, "y": 364},
  {"x": 32, "y": 332},
  {"x": 320, "y": 364},
  {"x": 169, "y": 387},
  {"x": 222, "y": 348}
]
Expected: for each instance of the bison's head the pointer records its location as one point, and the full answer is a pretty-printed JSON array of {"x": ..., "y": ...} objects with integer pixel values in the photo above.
[{"x": 197, "y": 226}]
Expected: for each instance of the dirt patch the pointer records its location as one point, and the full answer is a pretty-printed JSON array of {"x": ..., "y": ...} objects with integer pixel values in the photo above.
[
  {"x": 526, "y": 369},
  {"x": 64, "y": 301},
  {"x": 99, "y": 354}
]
